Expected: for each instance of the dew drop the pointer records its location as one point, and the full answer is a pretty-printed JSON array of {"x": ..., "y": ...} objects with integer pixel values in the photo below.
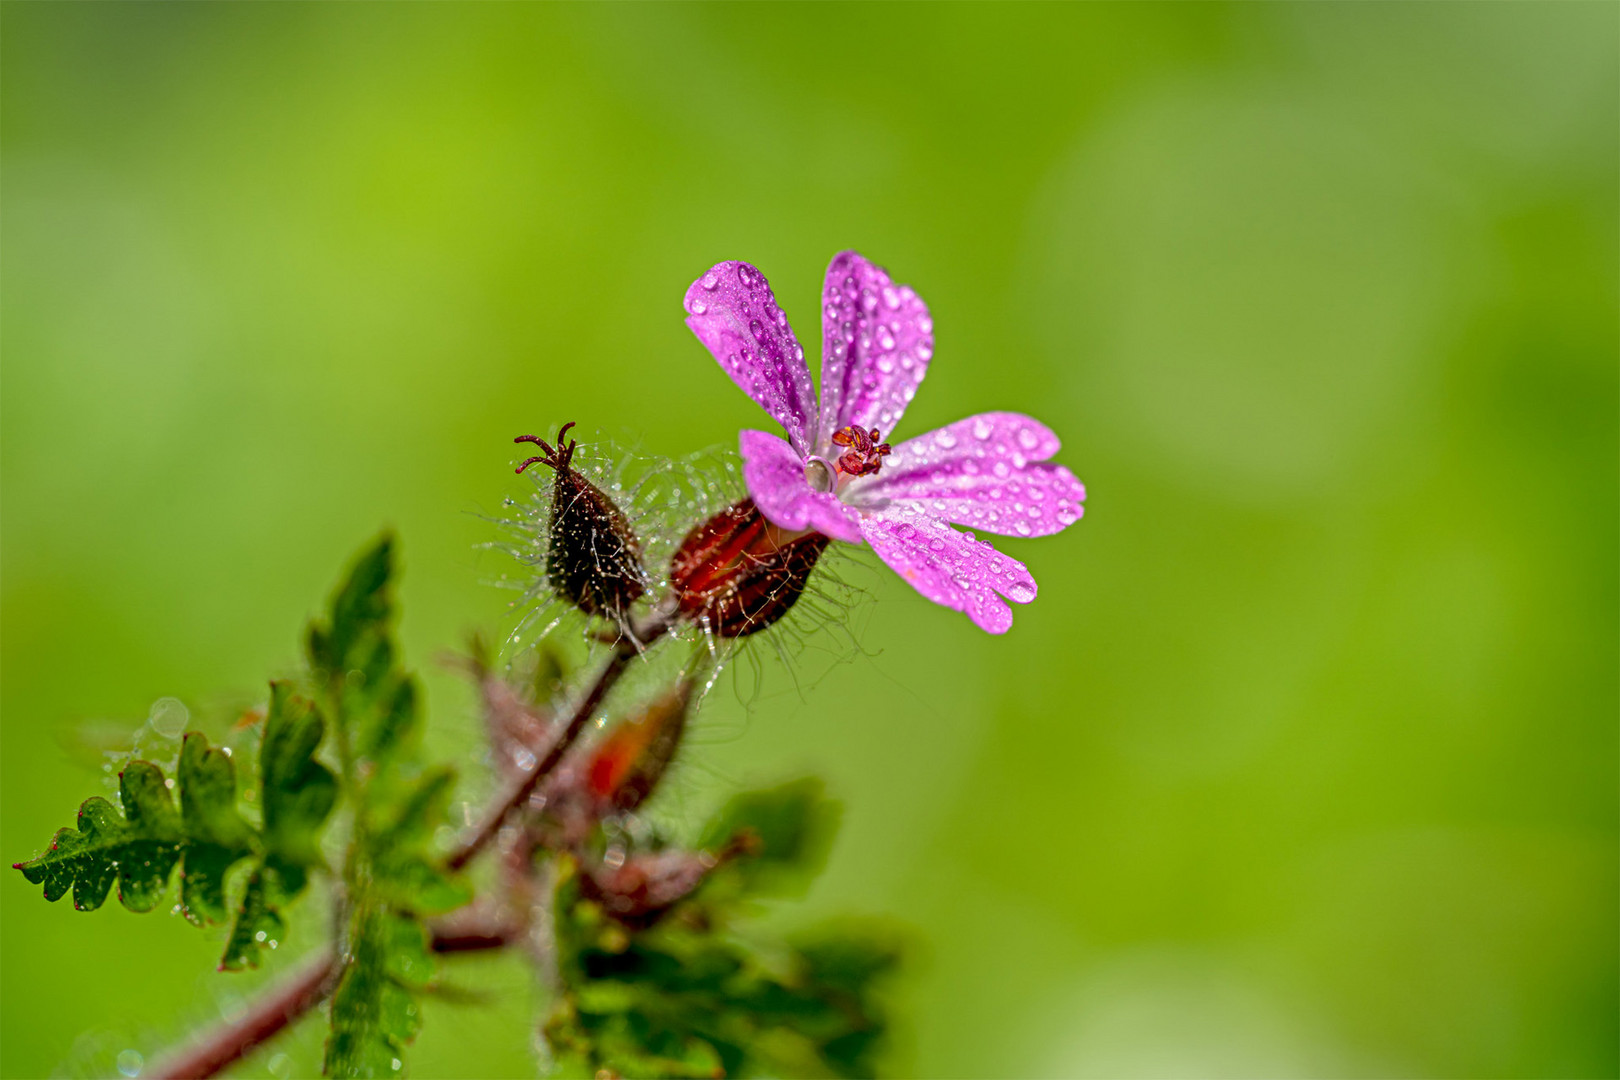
[
  {"x": 982, "y": 428},
  {"x": 1022, "y": 591},
  {"x": 130, "y": 1063},
  {"x": 709, "y": 280},
  {"x": 1068, "y": 513},
  {"x": 945, "y": 439},
  {"x": 699, "y": 307},
  {"x": 745, "y": 274},
  {"x": 1023, "y": 528},
  {"x": 169, "y": 717},
  {"x": 885, "y": 338},
  {"x": 1028, "y": 439},
  {"x": 1001, "y": 469},
  {"x": 925, "y": 349},
  {"x": 886, "y": 364}
]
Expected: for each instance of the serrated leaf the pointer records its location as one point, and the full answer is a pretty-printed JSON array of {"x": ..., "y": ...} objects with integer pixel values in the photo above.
[
  {"x": 374, "y": 1010},
  {"x": 138, "y": 848},
  {"x": 216, "y": 834},
  {"x": 299, "y": 792},
  {"x": 257, "y": 924},
  {"x": 389, "y": 720},
  {"x": 402, "y": 871},
  {"x": 360, "y": 609}
]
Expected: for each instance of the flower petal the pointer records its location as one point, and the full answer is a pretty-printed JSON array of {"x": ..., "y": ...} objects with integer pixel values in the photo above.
[
  {"x": 733, "y": 312},
  {"x": 988, "y": 472},
  {"x": 876, "y": 341},
  {"x": 949, "y": 567},
  {"x": 774, "y": 473}
]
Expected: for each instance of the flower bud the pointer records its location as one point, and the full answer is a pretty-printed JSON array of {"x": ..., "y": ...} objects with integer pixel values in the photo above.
[
  {"x": 737, "y": 574},
  {"x": 628, "y": 764},
  {"x": 593, "y": 558}
]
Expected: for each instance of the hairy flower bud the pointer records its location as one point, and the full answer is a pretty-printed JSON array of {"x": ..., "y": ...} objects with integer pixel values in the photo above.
[
  {"x": 737, "y": 574},
  {"x": 593, "y": 558},
  {"x": 628, "y": 764}
]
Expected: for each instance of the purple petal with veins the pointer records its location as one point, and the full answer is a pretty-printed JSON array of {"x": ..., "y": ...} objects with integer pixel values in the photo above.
[
  {"x": 949, "y": 567},
  {"x": 988, "y": 472},
  {"x": 876, "y": 341},
  {"x": 774, "y": 473},
  {"x": 733, "y": 312}
]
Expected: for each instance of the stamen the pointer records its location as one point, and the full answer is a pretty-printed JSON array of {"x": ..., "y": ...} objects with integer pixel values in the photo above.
[{"x": 866, "y": 454}]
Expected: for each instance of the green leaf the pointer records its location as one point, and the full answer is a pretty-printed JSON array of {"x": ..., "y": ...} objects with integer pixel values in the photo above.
[
  {"x": 258, "y": 923},
  {"x": 299, "y": 792},
  {"x": 402, "y": 871},
  {"x": 388, "y": 718},
  {"x": 792, "y": 827},
  {"x": 360, "y": 611},
  {"x": 216, "y": 834},
  {"x": 138, "y": 848},
  {"x": 374, "y": 1009}
]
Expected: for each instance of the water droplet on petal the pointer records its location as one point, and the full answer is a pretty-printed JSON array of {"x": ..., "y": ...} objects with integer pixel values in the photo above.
[
  {"x": 945, "y": 439},
  {"x": 1022, "y": 591},
  {"x": 709, "y": 280},
  {"x": 1028, "y": 439},
  {"x": 982, "y": 428},
  {"x": 1023, "y": 528},
  {"x": 699, "y": 307},
  {"x": 745, "y": 274},
  {"x": 756, "y": 328}
]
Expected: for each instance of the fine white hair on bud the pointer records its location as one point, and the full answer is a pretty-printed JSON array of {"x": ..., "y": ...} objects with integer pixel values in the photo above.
[{"x": 790, "y": 603}]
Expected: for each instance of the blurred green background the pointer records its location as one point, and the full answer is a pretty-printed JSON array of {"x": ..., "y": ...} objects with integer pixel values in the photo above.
[{"x": 1305, "y": 761}]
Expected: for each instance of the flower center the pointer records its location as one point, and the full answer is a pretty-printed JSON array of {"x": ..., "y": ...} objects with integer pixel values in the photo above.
[{"x": 864, "y": 455}]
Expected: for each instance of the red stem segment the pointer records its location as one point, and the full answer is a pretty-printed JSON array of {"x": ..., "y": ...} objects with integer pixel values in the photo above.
[
  {"x": 520, "y": 790},
  {"x": 307, "y": 987}
]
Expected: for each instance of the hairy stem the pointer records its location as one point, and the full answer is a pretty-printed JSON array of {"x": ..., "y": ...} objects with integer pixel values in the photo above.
[
  {"x": 306, "y": 988},
  {"x": 300, "y": 993},
  {"x": 523, "y": 786}
]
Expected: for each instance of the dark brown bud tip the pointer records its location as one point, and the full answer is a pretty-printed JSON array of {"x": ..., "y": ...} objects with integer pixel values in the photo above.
[
  {"x": 737, "y": 574},
  {"x": 593, "y": 558}
]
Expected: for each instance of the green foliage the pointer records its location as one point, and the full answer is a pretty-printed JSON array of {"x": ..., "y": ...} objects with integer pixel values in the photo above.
[
  {"x": 216, "y": 835},
  {"x": 390, "y": 874},
  {"x": 139, "y": 848},
  {"x": 668, "y": 990},
  {"x": 790, "y": 829},
  {"x": 298, "y": 790},
  {"x": 298, "y": 793},
  {"x": 685, "y": 997},
  {"x": 374, "y": 1009}
]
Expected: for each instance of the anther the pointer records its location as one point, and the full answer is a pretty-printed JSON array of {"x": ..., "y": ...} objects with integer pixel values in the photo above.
[{"x": 866, "y": 453}]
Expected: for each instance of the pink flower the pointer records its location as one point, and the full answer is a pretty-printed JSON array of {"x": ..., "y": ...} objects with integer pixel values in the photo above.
[{"x": 834, "y": 474}]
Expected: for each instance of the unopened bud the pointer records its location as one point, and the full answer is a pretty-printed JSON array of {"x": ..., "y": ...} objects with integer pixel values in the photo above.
[
  {"x": 628, "y": 764},
  {"x": 593, "y": 558},
  {"x": 737, "y": 574}
]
